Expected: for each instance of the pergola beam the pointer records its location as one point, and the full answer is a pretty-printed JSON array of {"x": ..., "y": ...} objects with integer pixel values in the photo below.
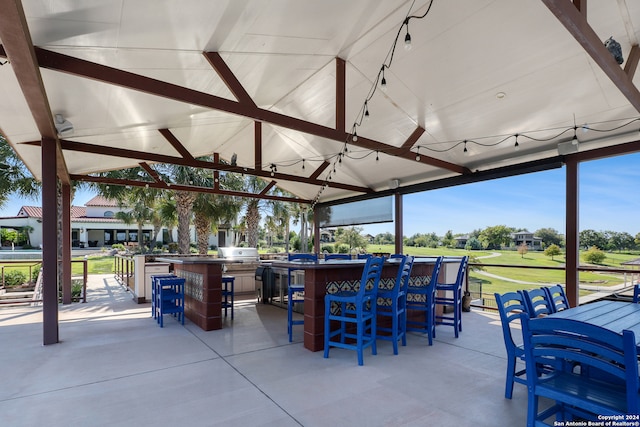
[
  {"x": 161, "y": 158},
  {"x": 575, "y": 21},
  {"x": 229, "y": 79},
  {"x": 175, "y": 143},
  {"x": 18, "y": 48},
  {"x": 82, "y": 68},
  {"x": 180, "y": 187}
]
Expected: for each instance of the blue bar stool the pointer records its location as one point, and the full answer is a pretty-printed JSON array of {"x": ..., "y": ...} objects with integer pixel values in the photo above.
[
  {"x": 451, "y": 296},
  {"x": 227, "y": 293},
  {"x": 421, "y": 297},
  {"x": 355, "y": 312},
  {"x": 170, "y": 298},
  {"x": 154, "y": 284},
  {"x": 295, "y": 291}
]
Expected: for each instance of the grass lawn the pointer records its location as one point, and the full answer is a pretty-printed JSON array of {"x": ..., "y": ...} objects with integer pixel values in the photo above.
[{"x": 533, "y": 277}]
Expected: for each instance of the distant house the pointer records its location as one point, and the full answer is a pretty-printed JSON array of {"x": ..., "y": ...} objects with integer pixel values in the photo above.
[
  {"x": 461, "y": 241},
  {"x": 95, "y": 225},
  {"x": 527, "y": 238}
]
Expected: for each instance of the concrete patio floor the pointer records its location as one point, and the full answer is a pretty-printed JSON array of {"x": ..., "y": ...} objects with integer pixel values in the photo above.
[{"x": 114, "y": 366}]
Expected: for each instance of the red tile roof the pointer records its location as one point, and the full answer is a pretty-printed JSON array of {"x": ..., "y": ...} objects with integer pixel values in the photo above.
[
  {"x": 36, "y": 212},
  {"x": 102, "y": 202}
]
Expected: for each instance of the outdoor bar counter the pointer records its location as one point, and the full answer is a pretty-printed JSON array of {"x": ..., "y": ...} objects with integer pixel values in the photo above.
[
  {"x": 322, "y": 277},
  {"x": 203, "y": 288}
]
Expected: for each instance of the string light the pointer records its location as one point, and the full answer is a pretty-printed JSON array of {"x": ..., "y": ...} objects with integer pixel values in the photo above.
[
  {"x": 407, "y": 37},
  {"x": 574, "y": 141},
  {"x": 465, "y": 148},
  {"x": 366, "y": 111},
  {"x": 383, "y": 82},
  {"x": 302, "y": 164},
  {"x": 418, "y": 154},
  {"x": 377, "y": 158},
  {"x": 516, "y": 146}
]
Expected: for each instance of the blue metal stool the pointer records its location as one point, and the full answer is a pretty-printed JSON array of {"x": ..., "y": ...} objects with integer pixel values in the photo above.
[
  {"x": 170, "y": 298},
  {"x": 295, "y": 291}
]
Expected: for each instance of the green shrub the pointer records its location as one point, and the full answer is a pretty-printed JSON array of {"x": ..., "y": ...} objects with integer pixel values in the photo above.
[
  {"x": 327, "y": 249},
  {"x": 118, "y": 247},
  {"x": 14, "y": 278},
  {"x": 341, "y": 249},
  {"x": 35, "y": 271},
  {"x": 594, "y": 255},
  {"x": 173, "y": 247}
]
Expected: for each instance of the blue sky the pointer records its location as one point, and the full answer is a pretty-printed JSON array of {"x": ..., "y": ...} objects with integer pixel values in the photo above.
[{"x": 608, "y": 201}]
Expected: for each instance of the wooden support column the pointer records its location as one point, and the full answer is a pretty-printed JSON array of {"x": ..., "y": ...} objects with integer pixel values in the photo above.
[
  {"x": 398, "y": 223},
  {"x": 341, "y": 84},
  {"x": 572, "y": 236},
  {"x": 66, "y": 244},
  {"x": 257, "y": 145},
  {"x": 49, "y": 243}
]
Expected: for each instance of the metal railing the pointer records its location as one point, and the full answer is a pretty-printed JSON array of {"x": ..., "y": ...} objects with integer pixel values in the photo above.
[
  {"x": 124, "y": 270},
  {"x": 36, "y": 285},
  {"x": 486, "y": 300}
]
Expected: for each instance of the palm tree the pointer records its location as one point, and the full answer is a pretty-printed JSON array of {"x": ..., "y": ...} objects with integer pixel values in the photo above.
[
  {"x": 253, "y": 184},
  {"x": 14, "y": 176},
  {"x": 301, "y": 214}
]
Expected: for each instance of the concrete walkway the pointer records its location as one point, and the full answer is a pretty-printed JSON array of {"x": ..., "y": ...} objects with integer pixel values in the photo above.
[{"x": 115, "y": 367}]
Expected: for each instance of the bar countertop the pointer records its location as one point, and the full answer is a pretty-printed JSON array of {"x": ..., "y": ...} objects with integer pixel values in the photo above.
[
  {"x": 338, "y": 263},
  {"x": 197, "y": 260}
]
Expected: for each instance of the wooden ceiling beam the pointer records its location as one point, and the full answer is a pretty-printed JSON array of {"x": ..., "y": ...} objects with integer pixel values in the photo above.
[
  {"x": 161, "y": 158},
  {"x": 229, "y": 79},
  {"x": 175, "y": 143},
  {"x": 18, "y": 48},
  {"x": 341, "y": 94},
  {"x": 631, "y": 65},
  {"x": 178, "y": 187},
  {"x": 320, "y": 169},
  {"x": 79, "y": 67},
  {"x": 152, "y": 173},
  {"x": 575, "y": 21}
]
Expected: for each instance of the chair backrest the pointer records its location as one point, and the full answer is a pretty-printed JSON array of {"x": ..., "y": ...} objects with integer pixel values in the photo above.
[
  {"x": 537, "y": 302},
  {"x": 370, "y": 279},
  {"x": 337, "y": 256},
  {"x": 557, "y": 298},
  {"x": 404, "y": 274},
  {"x": 364, "y": 256},
  {"x": 636, "y": 293},
  {"x": 590, "y": 346},
  {"x": 462, "y": 269},
  {"x": 510, "y": 306},
  {"x": 303, "y": 257},
  {"x": 392, "y": 256}
]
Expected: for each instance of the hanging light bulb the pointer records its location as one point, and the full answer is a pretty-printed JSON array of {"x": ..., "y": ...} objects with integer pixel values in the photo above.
[
  {"x": 407, "y": 37},
  {"x": 366, "y": 111},
  {"x": 465, "y": 151},
  {"x": 574, "y": 141},
  {"x": 302, "y": 164},
  {"x": 516, "y": 146},
  {"x": 418, "y": 154},
  {"x": 377, "y": 158},
  {"x": 383, "y": 82},
  {"x": 354, "y": 137}
]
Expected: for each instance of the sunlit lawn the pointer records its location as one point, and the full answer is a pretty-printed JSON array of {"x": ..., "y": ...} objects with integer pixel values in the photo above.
[{"x": 532, "y": 277}]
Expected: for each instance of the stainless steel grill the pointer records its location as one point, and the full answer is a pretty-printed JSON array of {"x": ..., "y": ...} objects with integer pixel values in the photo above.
[{"x": 239, "y": 254}]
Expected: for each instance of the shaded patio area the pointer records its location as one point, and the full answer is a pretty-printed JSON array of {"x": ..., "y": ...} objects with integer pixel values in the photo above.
[{"x": 114, "y": 366}]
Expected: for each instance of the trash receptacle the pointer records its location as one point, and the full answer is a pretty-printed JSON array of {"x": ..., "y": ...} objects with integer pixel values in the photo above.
[{"x": 265, "y": 282}]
